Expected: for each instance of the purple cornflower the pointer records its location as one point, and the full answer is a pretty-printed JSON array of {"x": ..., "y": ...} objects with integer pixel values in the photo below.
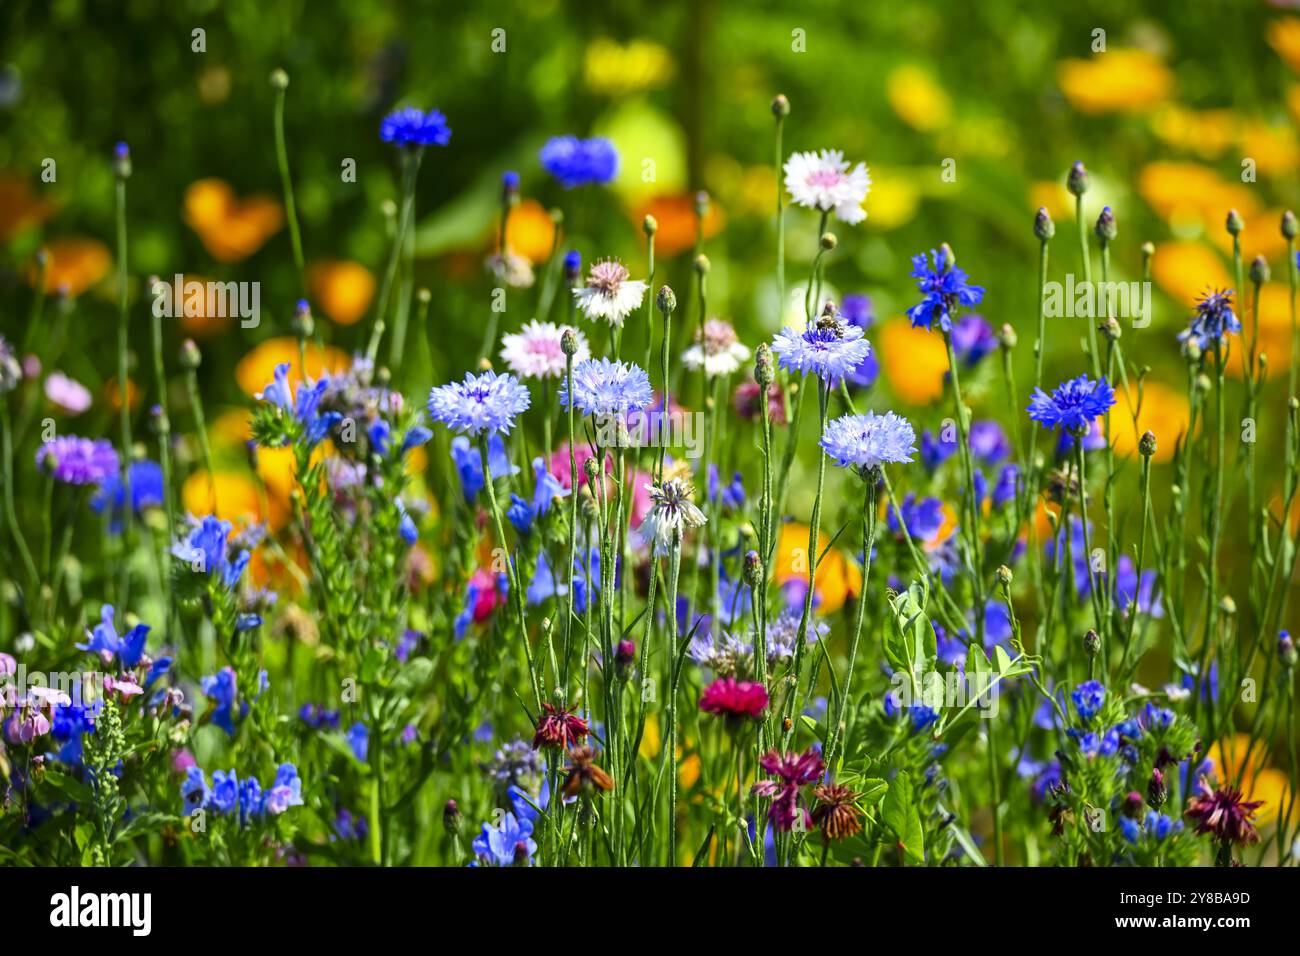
[
  {"x": 77, "y": 461},
  {"x": 1073, "y": 405},
  {"x": 869, "y": 441},
  {"x": 412, "y": 127},
  {"x": 988, "y": 442},
  {"x": 580, "y": 162},
  {"x": 792, "y": 771},
  {"x": 935, "y": 451},
  {"x": 482, "y": 403},
  {"x": 945, "y": 288},
  {"x": 828, "y": 348},
  {"x": 1214, "y": 320},
  {"x": 602, "y": 387},
  {"x": 1007, "y": 485},
  {"x": 856, "y": 309},
  {"x": 972, "y": 339},
  {"x": 922, "y": 517}
]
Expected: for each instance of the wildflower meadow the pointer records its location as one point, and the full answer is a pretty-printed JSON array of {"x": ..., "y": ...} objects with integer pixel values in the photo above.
[{"x": 534, "y": 437}]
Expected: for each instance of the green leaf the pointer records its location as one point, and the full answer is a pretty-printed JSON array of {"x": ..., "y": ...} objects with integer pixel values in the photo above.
[{"x": 900, "y": 815}]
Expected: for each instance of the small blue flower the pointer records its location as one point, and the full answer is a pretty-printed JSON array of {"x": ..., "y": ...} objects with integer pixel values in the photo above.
[
  {"x": 482, "y": 403},
  {"x": 935, "y": 451},
  {"x": 406, "y": 524},
  {"x": 221, "y": 687},
  {"x": 923, "y": 517},
  {"x": 520, "y": 514},
  {"x": 1214, "y": 320},
  {"x": 1088, "y": 698},
  {"x": 417, "y": 436},
  {"x": 286, "y": 792},
  {"x": 359, "y": 741},
  {"x": 546, "y": 488},
  {"x": 988, "y": 442},
  {"x": 946, "y": 291},
  {"x": 225, "y": 791},
  {"x": 856, "y": 309},
  {"x": 411, "y": 127},
  {"x": 194, "y": 791},
  {"x": 250, "y": 800},
  {"x": 507, "y": 843},
  {"x": 105, "y": 642},
  {"x": 1129, "y": 827},
  {"x": 206, "y": 552},
  {"x": 1073, "y": 405},
  {"x": 602, "y": 387},
  {"x": 1007, "y": 486},
  {"x": 869, "y": 441},
  {"x": 972, "y": 339},
  {"x": 145, "y": 480},
  {"x": 580, "y": 162},
  {"x": 469, "y": 463}
]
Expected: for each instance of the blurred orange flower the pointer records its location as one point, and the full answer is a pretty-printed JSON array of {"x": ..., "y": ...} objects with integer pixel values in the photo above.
[
  {"x": 1164, "y": 412},
  {"x": 837, "y": 577},
  {"x": 914, "y": 360},
  {"x": 1117, "y": 81},
  {"x": 75, "y": 264},
  {"x": 530, "y": 231},
  {"x": 343, "y": 289},
  {"x": 1206, "y": 133},
  {"x": 678, "y": 222},
  {"x": 231, "y": 496},
  {"x": 1284, "y": 37},
  {"x": 1185, "y": 270},
  {"x": 256, "y": 369},
  {"x": 19, "y": 208},
  {"x": 231, "y": 229}
]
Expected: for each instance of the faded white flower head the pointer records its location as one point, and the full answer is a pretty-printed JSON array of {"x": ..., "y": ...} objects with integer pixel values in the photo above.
[
  {"x": 609, "y": 295},
  {"x": 671, "y": 511},
  {"x": 719, "y": 351},
  {"x": 536, "y": 350},
  {"x": 512, "y": 269},
  {"x": 824, "y": 181}
]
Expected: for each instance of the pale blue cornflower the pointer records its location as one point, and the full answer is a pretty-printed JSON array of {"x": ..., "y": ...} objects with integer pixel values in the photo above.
[
  {"x": 482, "y": 403},
  {"x": 602, "y": 387},
  {"x": 868, "y": 441},
  {"x": 828, "y": 348}
]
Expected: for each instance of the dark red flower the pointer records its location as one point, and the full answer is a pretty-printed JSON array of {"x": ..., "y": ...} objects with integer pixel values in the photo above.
[
  {"x": 836, "y": 813},
  {"x": 1225, "y": 814},
  {"x": 731, "y": 698},
  {"x": 791, "y": 771},
  {"x": 559, "y": 728}
]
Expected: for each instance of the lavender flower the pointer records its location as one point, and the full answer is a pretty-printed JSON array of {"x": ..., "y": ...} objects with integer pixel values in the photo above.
[
  {"x": 482, "y": 403},
  {"x": 77, "y": 461}
]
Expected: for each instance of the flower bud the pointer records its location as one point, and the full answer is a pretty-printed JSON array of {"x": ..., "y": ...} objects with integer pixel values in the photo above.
[
  {"x": 572, "y": 265},
  {"x": 1091, "y": 643},
  {"x": 590, "y": 469},
  {"x": 1289, "y": 225},
  {"x": 304, "y": 326},
  {"x": 1111, "y": 329},
  {"x": 1148, "y": 250},
  {"x": 1004, "y": 575},
  {"x": 1077, "y": 181},
  {"x": 1157, "y": 790},
  {"x": 279, "y": 79},
  {"x": 190, "y": 355},
  {"x": 829, "y": 241},
  {"x": 753, "y": 570},
  {"x": 1286, "y": 651},
  {"x": 1044, "y": 228},
  {"x": 122, "y": 161},
  {"x": 1228, "y": 606},
  {"x": 764, "y": 373},
  {"x": 1234, "y": 225},
  {"x": 701, "y": 204},
  {"x": 624, "y": 659},
  {"x": 1147, "y": 444},
  {"x": 423, "y": 296},
  {"x": 451, "y": 817},
  {"x": 780, "y": 106},
  {"x": 510, "y": 187},
  {"x": 649, "y": 225},
  {"x": 1132, "y": 805},
  {"x": 1106, "y": 228},
  {"x": 702, "y": 264},
  {"x": 569, "y": 342},
  {"x": 1259, "y": 271},
  {"x": 666, "y": 300}
]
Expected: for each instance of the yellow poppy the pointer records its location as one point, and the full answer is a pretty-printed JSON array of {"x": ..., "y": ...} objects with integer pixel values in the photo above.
[
  {"x": 231, "y": 496},
  {"x": 1206, "y": 133},
  {"x": 342, "y": 288},
  {"x": 1164, "y": 412},
  {"x": 1052, "y": 196},
  {"x": 1117, "y": 81},
  {"x": 530, "y": 231},
  {"x": 1284, "y": 37},
  {"x": 917, "y": 98},
  {"x": 837, "y": 577},
  {"x": 914, "y": 361},
  {"x": 1186, "y": 270},
  {"x": 230, "y": 228},
  {"x": 612, "y": 69}
]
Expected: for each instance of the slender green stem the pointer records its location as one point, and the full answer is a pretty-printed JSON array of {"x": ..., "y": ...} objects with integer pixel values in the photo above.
[{"x": 286, "y": 185}]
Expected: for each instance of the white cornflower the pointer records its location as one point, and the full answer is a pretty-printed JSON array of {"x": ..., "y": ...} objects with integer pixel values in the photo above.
[
  {"x": 720, "y": 352},
  {"x": 609, "y": 294},
  {"x": 825, "y": 182},
  {"x": 535, "y": 351},
  {"x": 671, "y": 511}
]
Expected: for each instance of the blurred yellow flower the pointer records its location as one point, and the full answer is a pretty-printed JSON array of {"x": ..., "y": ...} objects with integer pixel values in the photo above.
[
  {"x": 201, "y": 326},
  {"x": 236, "y": 497},
  {"x": 1054, "y": 197},
  {"x": 1191, "y": 193},
  {"x": 649, "y": 748},
  {"x": 256, "y": 369},
  {"x": 1186, "y": 270},
  {"x": 231, "y": 428},
  {"x": 918, "y": 100},
  {"x": 893, "y": 199},
  {"x": 1284, "y": 37},
  {"x": 1206, "y": 133},
  {"x": 612, "y": 69},
  {"x": 530, "y": 232},
  {"x": 837, "y": 577},
  {"x": 1273, "y": 148},
  {"x": 1164, "y": 412},
  {"x": 342, "y": 288},
  {"x": 914, "y": 360},
  {"x": 1117, "y": 81},
  {"x": 1258, "y": 781},
  {"x": 74, "y": 264},
  {"x": 231, "y": 229}
]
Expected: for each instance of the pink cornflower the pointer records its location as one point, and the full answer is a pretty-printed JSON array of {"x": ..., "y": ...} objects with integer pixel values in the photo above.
[
  {"x": 67, "y": 394},
  {"x": 559, "y": 728},
  {"x": 745, "y": 401},
  {"x": 535, "y": 351},
  {"x": 733, "y": 699},
  {"x": 792, "y": 772},
  {"x": 1224, "y": 813}
]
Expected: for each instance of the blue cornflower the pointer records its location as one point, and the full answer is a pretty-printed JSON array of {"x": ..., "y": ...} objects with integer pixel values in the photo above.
[
  {"x": 250, "y": 800},
  {"x": 412, "y": 127},
  {"x": 304, "y": 405},
  {"x": 520, "y": 514},
  {"x": 988, "y": 442},
  {"x": 1073, "y": 405},
  {"x": 935, "y": 451},
  {"x": 856, "y": 309},
  {"x": 1088, "y": 698},
  {"x": 1130, "y": 585},
  {"x": 69, "y": 723},
  {"x": 731, "y": 495},
  {"x": 146, "y": 482},
  {"x": 1007, "y": 485},
  {"x": 602, "y": 387},
  {"x": 482, "y": 403},
  {"x": 104, "y": 641},
  {"x": 378, "y": 432},
  {"x": 359, "y": 741},
  {"x": 469, "y": 463},
  {"x": 507, "y": 843},
  {"x": 406, "y": 524},
  {"x": 923, "y": 517},
  {"x": 1093, "y": 440},
  {"x": 286, "y": 792},
  {"x": 1214, "y": 320},
  {"x": 205, "y": 550},
  {"x": 546, "y": 488},
  {"x": 222, "y": 688},
  {"x": 945, "y": 288},
  {"x": 972, "y": 339},
  {"x": 828, "y": 348},
  {"x": 869, "y": 441},
  {"x": 580, "y": 162},
  {"x": 417, "y": 436},
  {"x": 194, "y": 790},
  {"x": 225, "y": 791}
]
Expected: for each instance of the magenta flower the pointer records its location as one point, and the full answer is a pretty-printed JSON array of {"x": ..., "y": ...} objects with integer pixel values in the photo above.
[
  {"x": 733, "y": 699},
  {"x": 792, "y": 771}
]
